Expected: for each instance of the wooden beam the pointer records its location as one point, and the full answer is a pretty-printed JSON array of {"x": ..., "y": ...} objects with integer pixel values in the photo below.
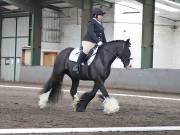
[
  {"x": 74, "y": 3},
  {"x": 141, "y": 1},
  {"x": 48, "y": 2},
  {"x": 54, "y": 8}
]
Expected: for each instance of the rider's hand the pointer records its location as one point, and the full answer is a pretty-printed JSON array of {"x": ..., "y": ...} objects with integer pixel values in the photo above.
[{"x": 100, "y": 43}]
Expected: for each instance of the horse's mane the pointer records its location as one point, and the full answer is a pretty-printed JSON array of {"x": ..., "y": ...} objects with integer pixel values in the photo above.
[
  {"x": 114, "y": 41},
  {"x": 111, "y": 43}
]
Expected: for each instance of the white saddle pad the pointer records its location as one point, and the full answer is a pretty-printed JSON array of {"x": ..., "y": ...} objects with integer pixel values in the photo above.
[{"x": 75, "y": 54}]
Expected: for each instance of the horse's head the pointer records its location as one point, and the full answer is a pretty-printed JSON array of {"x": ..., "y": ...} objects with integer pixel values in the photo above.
[{"x": 125, "y": 54}]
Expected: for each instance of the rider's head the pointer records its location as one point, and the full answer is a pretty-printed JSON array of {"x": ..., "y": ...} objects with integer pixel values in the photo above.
[{"x": 98, "y": 14}]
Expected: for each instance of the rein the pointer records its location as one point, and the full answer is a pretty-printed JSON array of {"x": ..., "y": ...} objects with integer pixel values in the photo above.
[
  {"x": 113, "y": 53},
  {"x": 117, "y": 55}
]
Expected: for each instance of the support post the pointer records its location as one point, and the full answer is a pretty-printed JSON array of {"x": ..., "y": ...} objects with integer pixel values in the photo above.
[
  {"x": 36, "y": 35},
  {"x": 86, "y": 13},
  {"x": 147, "y": 34},
  {"x": 0, "y": 42}
]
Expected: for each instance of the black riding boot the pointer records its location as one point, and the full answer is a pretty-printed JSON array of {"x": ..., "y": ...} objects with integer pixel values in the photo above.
[{"x": 81, "y": 58}]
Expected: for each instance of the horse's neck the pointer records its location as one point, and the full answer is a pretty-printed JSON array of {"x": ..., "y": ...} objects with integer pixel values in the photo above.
[{"x": 108, "y": 55}]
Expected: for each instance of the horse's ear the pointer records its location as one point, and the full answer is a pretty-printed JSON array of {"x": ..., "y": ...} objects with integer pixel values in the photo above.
[
  {"x": 127, "y": 41},
  {"x": 128, "y": 44}
]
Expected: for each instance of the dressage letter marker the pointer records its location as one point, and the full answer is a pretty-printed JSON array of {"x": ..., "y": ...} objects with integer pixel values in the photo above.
[{"x": 88, "y": 130}]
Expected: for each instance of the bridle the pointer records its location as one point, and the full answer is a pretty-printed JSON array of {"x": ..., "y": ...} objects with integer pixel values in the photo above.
[{"x": 123, "y": 59}]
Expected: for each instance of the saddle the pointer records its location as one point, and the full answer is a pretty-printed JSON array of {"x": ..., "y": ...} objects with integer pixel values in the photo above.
[
  {"x": 90, "y": 54},
  {"x": 89, "y": 58}
]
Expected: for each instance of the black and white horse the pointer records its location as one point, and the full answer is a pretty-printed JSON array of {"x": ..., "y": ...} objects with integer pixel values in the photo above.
[{"x": 98, "y": 72}]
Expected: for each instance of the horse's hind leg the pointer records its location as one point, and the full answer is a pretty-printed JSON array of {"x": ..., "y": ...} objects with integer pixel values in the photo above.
[
  {"x": 73, "y": 92},
  {"x": 86, "y": 98}
]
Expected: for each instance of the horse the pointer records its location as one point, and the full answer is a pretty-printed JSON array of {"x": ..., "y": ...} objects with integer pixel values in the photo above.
[{"x": 98, "y": 71}]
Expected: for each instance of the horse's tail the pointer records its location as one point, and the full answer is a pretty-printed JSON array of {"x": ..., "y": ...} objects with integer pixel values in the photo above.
[
  {"x": 53, "y": 88},
  {"x": 56, "y": 87},
  {"x": 51, "y": 91}
]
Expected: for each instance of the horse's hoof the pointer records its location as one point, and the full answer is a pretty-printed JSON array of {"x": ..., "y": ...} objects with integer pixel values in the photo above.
[
  {"x": 79, "y": 108},
  {"x": 111, "y": 105},
  {"x": 43, "y": 100},
  {"x": 42, "y": 105},
  {"x": 101, "y": 98}
]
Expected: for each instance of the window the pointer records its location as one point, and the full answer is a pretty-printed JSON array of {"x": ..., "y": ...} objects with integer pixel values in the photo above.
[
  {"x": 49, "y": 58},
  {"x": 51, "y": 26}
]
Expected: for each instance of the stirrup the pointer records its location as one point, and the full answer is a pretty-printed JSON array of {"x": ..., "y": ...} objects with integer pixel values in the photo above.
[{"x": 76, "y": 68}]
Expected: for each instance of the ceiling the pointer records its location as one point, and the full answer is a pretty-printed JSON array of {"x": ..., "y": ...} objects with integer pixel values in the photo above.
[
  {"x": 6, "y": 8},
  {"x": 59, "y": 4},
  {"x": 135, "y": 6},
  {"x": 175, "y": 16}
]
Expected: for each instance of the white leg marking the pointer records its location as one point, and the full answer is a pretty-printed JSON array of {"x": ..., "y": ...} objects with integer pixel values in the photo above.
[
  {"x": 75, "y": 101},
  {"x": 43, "y": 99},
  {"x": 111, "y": 105}
]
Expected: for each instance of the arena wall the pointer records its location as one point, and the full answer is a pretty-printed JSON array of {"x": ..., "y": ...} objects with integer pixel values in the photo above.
[{"x": 158, "y": 80}]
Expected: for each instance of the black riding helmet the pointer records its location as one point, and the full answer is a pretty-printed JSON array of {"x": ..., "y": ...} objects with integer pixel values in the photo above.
[{"x": 97, "y": 11}]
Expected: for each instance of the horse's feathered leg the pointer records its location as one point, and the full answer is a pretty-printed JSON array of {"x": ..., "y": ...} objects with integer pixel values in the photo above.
[
  {"x": 51, "y": 90},
  {"x": 86, "y": 98},
  {"x": 110, "y": 104},
  {"x": 73, "y": 92},
  {"x": 103, "y": 90}
]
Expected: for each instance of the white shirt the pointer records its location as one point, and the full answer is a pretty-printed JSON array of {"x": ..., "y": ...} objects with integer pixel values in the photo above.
[{"x": 97, "y": 21}]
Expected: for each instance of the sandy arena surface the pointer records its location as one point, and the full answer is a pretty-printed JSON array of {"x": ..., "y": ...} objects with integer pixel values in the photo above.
[{"x": 19, "y": 109}]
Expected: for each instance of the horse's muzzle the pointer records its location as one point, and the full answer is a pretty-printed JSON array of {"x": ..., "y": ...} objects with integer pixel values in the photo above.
[{"x": 129, "y": 66}]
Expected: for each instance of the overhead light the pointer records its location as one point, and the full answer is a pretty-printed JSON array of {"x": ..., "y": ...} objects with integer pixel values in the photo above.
[
  {"x": 165, "y": 7},
  {"x": 11, "y": 7},
  {"x": 157, "y": 12},
  {"x": 133, "y": 6},
  {"x": 172, "y": 2},
  {"x": 130, "y": 5}
]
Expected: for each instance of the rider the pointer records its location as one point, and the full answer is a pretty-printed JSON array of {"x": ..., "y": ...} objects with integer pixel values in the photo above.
[{"x": 94, "y": 35}]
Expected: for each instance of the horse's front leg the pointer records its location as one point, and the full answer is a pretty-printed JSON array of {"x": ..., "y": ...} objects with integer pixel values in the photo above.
[
  {"x": 110, "y": 104},
  {"x": 73, "y": 92},
  {"x": 103, "y": 90}
]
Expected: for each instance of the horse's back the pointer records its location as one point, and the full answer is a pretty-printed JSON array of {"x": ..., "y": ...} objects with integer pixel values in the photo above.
[
  {"x": 62, "y": 59},
  {"x": 64, "y": 53}
]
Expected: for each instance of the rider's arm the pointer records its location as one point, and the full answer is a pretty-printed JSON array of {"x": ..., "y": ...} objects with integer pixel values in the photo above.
[
  {"x": 90, "y": 30},
  {"x": 104, "y": 38}
]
